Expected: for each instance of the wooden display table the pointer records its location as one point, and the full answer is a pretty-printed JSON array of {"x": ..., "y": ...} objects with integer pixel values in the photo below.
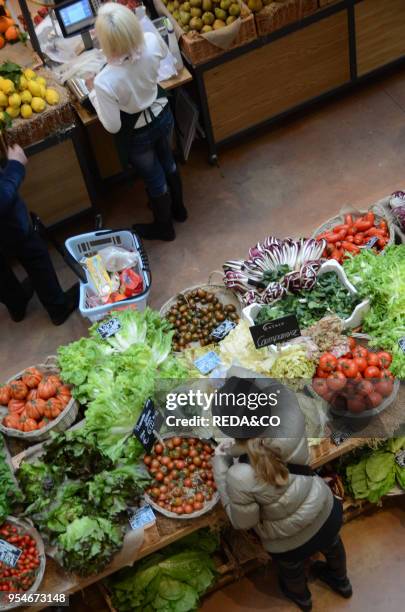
[{"x": 291, "y": 68}]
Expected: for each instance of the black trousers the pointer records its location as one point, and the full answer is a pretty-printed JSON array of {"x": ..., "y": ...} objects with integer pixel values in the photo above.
[
  {"x": 31, "y": 251},
  {"x": 292, "y": 573}
]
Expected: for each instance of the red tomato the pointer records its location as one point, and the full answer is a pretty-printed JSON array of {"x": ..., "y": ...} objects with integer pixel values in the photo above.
[
  {"x": 360, "y": 351},
  {"x": 375, "y": 399},
  {"x": 387, "y": 375},
  {"x": 374, "y": 360},
  {"x": 320, "y": 386},
  {"x": 328, "y": 362},
  {"x": 193, "y": 453},
  {"x": 199, "y": 497},
  {"x": 352, "y": 343},
  {"x": 321, "y": 373},
  {"x": 356, "y": 404},
  {"x": 188, "y": 508},
  {"x": 188, "y": 483},
  {"x": 384, "y": 387},
  {"x": 365, "y": 387},
  {"x": 385, "y": 359},
  {"x": 198, "y": 505},
  {"x": 147, "y": 459},
  {"x": 349, "y": 368},
  {"x": 159, "y": 476},
  {"x": 165, "y": 460},
  {"x": 372, "y": 372},
  {"x": 177, "y": 441},
  {"x": 158, "y": 449},
  {"x": 361, "y": 363},
  {"x": 336, "y": 381}
]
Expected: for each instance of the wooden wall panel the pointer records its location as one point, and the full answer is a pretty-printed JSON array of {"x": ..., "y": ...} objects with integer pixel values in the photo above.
[
  {"x": 274, "y": 78},
  {"x": 54, "y": 186},
  {"x": 104, "y": 150},
  {"x": 380, "y": 33}
]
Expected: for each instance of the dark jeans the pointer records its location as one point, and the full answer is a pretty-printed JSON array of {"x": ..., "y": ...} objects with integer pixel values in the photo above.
[
  {"x": 31, "y": 251},
  {"x": 151, "y": 153}
]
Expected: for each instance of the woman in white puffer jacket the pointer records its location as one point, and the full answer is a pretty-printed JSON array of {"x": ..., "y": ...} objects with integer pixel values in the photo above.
[{"x": 266, "y": 484}]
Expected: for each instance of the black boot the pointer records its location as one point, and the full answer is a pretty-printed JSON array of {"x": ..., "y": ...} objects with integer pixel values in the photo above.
[
  {"x": 176, "y": 189},
  {"x": 303, "y": 601},
  {"x": 342, "y": 585},
  {"x": 162, "y": 226},
  {"x": 59, "y": 313},
  {"x": 17, "y": 312}
]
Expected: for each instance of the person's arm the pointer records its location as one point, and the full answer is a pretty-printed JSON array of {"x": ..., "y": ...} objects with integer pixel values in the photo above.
[
  {"x": 11, "y": 178},
  {"x": 106, "y": 107}
]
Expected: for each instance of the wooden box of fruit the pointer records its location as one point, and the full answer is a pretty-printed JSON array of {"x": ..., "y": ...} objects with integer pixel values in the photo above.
[
  {"x": 35, "y": 402},
  {"x": 208, "y": 28},
  {"x": 33, "y": 106}
]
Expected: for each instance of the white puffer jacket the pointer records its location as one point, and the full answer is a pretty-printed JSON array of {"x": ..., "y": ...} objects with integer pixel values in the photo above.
[{"x": 284, "y": 517}]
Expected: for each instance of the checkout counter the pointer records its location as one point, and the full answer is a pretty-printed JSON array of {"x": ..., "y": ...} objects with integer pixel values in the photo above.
[{"x": 67, "y": 171}]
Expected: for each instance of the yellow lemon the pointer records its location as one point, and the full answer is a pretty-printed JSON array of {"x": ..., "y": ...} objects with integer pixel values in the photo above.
[
  {"x": 38, "y": 104},
  {"x": 3, "y": 99},
  {"x": 14, "y": 100},
  {"x": 43, "y": 91},
  {"x": 26, "y": 111},
  {"x": 12, "y": 111},
  {"x": 23, "y": 83},
  {"x": 41, "y": 81},
  {"x": 35, "y": 88},
  {"x": 26, "y": 97},
  {"x": 52, "y": 96},
  {"x": 3, "y": 116},
  {"x": 29, "y": 74},
  {"x": 7, "y": 86}
]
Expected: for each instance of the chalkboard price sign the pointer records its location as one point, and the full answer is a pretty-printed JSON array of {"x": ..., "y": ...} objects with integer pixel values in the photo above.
[
  {"x": 148, "y": 423},
  {"x": 273, "y": 332}
]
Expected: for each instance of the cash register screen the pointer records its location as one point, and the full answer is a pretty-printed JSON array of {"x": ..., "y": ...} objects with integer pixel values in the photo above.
[{"x": 75, "y": 16}]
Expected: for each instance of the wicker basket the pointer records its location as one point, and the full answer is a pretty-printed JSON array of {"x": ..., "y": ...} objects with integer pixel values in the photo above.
[
  {"x": 339, "y": 219},
  {"x": 308, "y": 7},
  {"x": 198, "y": 49},
  {"x": 27, "y": 528},
  {"x": 277, "y": 15},
  {"x": 383, "y": 207},
  {"x": 62, "y": 422}
]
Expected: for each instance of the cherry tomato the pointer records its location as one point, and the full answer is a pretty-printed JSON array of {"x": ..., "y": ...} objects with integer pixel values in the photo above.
[
  {"x": 155, "y": 464},
  {"x": 360, "y": 351},
  {"x": 180, "y": 464},
  {"x": 147, "y": 459},
  {"x": 177, "y": 441},
  {"x": 336, "y": 381},
  {"x": 375, "y": 399},
  {"x": 349, "y": 368},
  {"x": 188, "y": 483},
  {"x": 174, "y": 474},
  {"x": 384, "y": 387},
  {"x": 159, "y": 476},
  {"x": 385, "y": 359},
  {"x": 166, "y": 480},
  {"x": 165, "y": 460},
  {"x": 374, "y": 360},
  {"x": 197, "y": 461},
  {"x": 193, "y": 453},
  {"x": 328, "y": 362},
  {"x": 197, "y": 506},
  {"x": 372, "y": 372},
  {"x": 188, "y": 508},
  {"x": 199, "y": 497},
  {"x": 169, "y": 444}
]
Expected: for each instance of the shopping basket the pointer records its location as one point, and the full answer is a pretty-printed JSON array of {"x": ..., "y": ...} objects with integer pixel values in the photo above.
[{"x": 86, "y": 245}]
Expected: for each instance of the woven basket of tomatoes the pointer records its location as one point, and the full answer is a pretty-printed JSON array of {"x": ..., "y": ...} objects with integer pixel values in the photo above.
[
  {"x": 357, "y": 385},
  {"x": 24, "y": 561},
  {"x": 348, "y": 234},
  {"x": 183, "y": 485},
  {"x": 35, "y": 402}
]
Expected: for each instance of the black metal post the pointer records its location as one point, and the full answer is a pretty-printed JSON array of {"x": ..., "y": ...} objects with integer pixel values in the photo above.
[{"x": 31, "y": 29}]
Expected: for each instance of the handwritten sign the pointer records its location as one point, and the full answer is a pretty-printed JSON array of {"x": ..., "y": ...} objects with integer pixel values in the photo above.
[
  {"x": 109, "y": 328},
  {"x": 273, "y": 332},
  {"x": 370, "y": 243},
  {"x": 207, "y": 362},
  {"x": 148, "y": 423},
  {"x": 142, "y": 517},
  {"x": 223, "y": 329},
  {"x": 400, "y": 458},
  {"x": 401, "y": 344},
  {"x": 9, "y": 554}
]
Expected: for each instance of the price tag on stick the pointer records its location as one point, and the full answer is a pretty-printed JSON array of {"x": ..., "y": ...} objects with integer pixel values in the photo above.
[
  {"x": 109, "y": 328},
  {"x": 273, "y": 332},
  {"x": 9, "y": 554},
  {"x": 142, "y": 517},
  {"x": 401, "y": 344},
  {"x": 148, "y": 425},
  {"x": 223, "y": 329}
]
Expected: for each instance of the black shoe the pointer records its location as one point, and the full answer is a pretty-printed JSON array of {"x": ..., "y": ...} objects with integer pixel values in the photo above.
[
  {"x": 17, "y": 313},
  {"x": 304, "y": 603},
  {"x": 320, "y": 570},
  {"x": 59, "y": 314},
  {"x": 162, "y": 226},
  {"x": 179, "y": 211}
]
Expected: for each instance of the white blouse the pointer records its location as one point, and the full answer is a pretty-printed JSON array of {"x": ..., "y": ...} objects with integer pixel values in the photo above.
[{"x": 130, "y": 85}]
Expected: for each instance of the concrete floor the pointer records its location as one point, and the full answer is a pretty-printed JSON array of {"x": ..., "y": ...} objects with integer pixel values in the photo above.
[{"x": 284, "y": 181}]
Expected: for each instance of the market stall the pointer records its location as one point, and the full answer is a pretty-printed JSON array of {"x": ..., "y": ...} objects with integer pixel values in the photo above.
[
  {"x": 301, "y": 52},
  {"x": 105, "y": 483}
]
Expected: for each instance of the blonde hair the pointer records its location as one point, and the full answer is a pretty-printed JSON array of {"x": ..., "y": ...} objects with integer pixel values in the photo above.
[
  {"x": 118, "y": 30},
  {"x": 266, "y": 462}
]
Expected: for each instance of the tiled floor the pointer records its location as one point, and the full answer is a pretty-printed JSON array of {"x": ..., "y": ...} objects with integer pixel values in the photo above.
[{"x": 284, "y": 181}]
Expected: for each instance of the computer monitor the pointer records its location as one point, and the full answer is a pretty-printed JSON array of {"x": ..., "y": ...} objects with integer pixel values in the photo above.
[{"x": 75, "y": 17}]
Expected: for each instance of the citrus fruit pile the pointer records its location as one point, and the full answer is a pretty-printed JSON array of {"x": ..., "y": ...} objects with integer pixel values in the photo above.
[{"x": 25, "y": 95}]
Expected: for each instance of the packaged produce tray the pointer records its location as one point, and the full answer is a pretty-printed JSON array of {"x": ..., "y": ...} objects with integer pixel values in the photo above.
[
  {"x": 62, "y": 422},
  {"x": 86, "y": 245},
  {"x": 199, "y": 48},
  {"x": 250, "y": 312}
]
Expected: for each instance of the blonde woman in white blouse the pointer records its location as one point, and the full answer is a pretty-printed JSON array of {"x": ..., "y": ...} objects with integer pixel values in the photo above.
[{"x": 130, "y": 104}]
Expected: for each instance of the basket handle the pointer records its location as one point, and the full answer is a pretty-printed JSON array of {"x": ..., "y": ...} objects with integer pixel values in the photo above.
[
  {"x": 213, "y": 273},
  {"x": 51, "y": 361}
]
